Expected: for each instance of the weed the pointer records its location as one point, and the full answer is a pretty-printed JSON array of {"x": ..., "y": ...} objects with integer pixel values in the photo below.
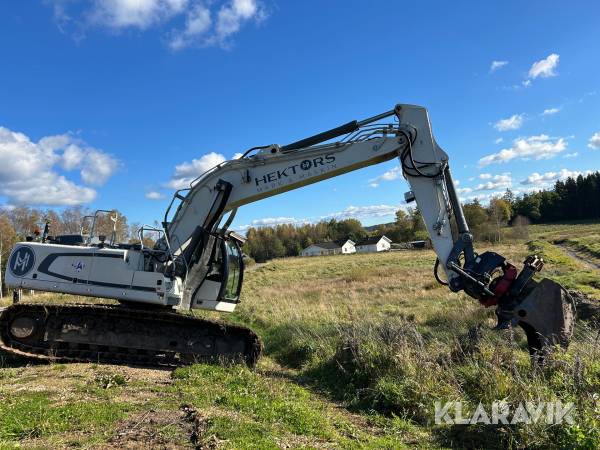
[{"x": 108, "y": 380}]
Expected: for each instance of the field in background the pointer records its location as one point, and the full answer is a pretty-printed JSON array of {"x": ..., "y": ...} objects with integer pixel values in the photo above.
[{"x": 357, "y": 349}]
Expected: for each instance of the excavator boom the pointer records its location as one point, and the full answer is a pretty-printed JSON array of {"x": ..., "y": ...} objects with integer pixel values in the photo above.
[{"x": 198, "y": 263}]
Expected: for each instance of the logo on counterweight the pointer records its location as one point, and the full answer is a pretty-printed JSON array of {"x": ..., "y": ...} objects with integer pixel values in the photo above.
[{"x": 21, "y": 261}]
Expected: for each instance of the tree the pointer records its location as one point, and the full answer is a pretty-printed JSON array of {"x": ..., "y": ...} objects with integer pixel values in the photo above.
[
  {"x": 416, "y": 219},
  {"x": 509, "y": 197},
  {"x": 529, "y": 206},
  {"x": 349, "y": 229},
  {"x": 54, "y": 221},
  {"x": 475, "y": 214},
  {"x": 105, "y": 224},
  {"x": 8, "y": 239},
  {"x": 71, "y": 219},
  {"x": 499, "y": 212},
  {"x": 25, "y": 220},
  {"x": 403, "y": 229}
]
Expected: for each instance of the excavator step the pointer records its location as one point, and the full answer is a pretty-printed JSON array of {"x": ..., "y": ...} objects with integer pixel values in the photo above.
[{"x": 122, "y": 335}]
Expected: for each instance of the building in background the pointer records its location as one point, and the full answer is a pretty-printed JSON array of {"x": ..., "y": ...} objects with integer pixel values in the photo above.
[
  {"x": 374, "y": 244},
  {"x": 342, "y": 246}
]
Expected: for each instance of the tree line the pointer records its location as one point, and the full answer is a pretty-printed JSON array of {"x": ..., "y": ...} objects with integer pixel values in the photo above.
[
  {"x": 569, "y": 200},
  {"x": 278, "y": 241},
  {"x": 572, "y": 199},
  {"x": 264, "y": 243}
]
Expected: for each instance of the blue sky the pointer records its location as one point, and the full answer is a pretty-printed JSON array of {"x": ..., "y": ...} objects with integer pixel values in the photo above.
[{"x": 108, "y": 102}]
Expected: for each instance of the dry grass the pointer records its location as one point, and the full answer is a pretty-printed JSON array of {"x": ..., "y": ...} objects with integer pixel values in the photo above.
[
  {"x": 376, "y": 333},
  {"x": 358, "y": 348}
]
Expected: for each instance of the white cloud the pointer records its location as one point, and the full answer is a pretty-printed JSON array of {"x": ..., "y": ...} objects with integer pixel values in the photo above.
[
  {"x": 545, "y": 179},
  {"x": 272, "y": 221},
  {"x": 48, "y": 189},
  {"x": 499, "y": 140},
  {"x": 140, "y": 14},
  {"x": 199, "y": 166},
  {"x": 28, "y": 170},
  {"x": 544, "y": 68},
  {"x": 462, "y": 191},
  {"x": 482, "y": 197},
  {"x": 199, "y": 23},
  {"x": 186, "y": 172},
  {"x": 514, "y": 122},
  {"x": 362, "y": 212},
  {"x": 97, "y": 167},
  {"x": 351, "y": 212},
  {"x": 571, "y": 155},
  {"x": 232, "y": 15},
  {"x": 527, "y": 189},
  {"x": 154, "y": 195},
  {"x": 533, "y": 147},
  {"x": 550, "y": 111},
  {"x": 202, "y": 30},
  {"x": 392, "y": 174},
  {"x": 497, "y": 65},
  {"x": 594, "y": 142},
  {"x": 72, "y": 157},
  {"x": 495, "y": 182}
]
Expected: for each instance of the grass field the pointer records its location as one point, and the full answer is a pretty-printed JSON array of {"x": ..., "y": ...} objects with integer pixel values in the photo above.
[{"x": 357, "y": 350}]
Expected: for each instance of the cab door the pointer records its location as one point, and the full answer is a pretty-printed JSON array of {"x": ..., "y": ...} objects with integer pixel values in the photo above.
[{"x": 234, "y": 271}]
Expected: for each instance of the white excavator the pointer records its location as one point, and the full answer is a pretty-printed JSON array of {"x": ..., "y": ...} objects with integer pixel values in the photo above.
[{"x": 198, "y": 264}]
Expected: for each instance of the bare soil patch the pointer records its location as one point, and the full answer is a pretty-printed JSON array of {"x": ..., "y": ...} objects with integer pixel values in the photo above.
[{"x": 167, "y": 430}]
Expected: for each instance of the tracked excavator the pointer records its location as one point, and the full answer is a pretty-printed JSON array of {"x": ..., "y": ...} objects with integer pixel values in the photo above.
[{"x": 198, "y": 263}]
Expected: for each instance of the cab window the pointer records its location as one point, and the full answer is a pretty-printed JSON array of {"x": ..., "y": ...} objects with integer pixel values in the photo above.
[{"x": 234, "y": 258}]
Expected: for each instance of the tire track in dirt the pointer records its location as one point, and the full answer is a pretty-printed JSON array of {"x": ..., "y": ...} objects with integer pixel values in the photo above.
[{"x": 586, "y": 261}]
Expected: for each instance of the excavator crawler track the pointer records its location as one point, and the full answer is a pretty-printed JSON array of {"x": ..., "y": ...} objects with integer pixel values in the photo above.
[{"x": 122, "y": 335}]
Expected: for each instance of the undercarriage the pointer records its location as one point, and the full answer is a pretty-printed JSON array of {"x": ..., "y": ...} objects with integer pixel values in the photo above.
[{"x": 122, "y": 335}]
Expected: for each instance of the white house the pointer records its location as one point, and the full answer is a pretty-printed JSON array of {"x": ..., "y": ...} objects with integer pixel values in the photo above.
[
  {"x": 374, "y": 244},
  {"x": 344, "y": 246}
]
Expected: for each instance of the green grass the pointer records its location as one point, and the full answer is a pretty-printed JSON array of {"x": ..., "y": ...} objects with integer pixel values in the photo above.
[
  {"x": 249, "y": 409},
  {"x": 36, "y": 416},
  {"x": 589, "y": 245},
  {"x": 357, "y": 350},
  {"x": 553, "y": 242}
]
